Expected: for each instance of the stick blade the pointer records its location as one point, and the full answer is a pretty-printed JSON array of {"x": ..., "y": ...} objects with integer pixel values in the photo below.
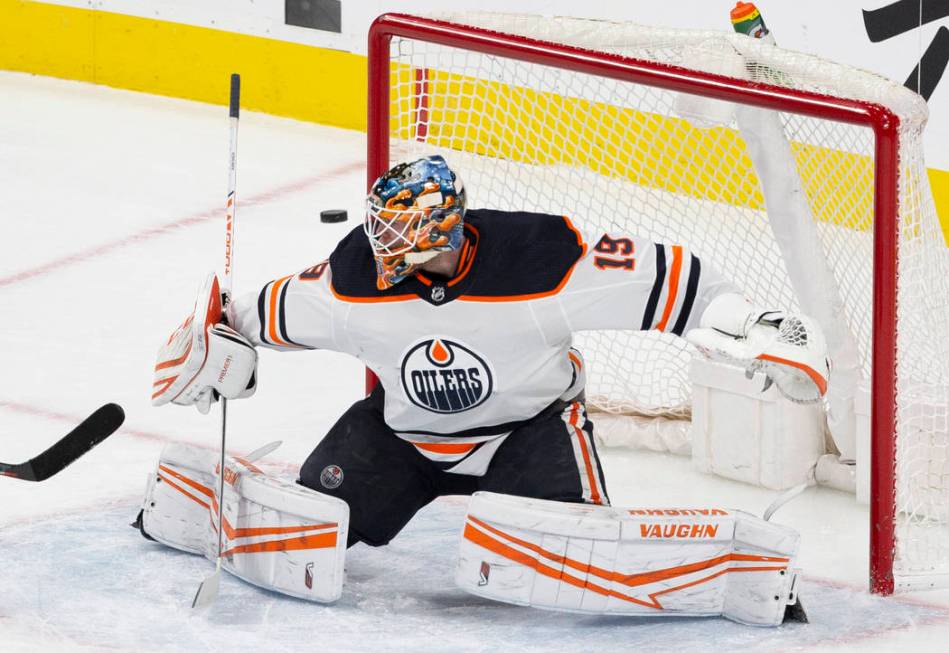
[
  {"x": 90, "y": 432},
  {"x": 207, "y": 591}
]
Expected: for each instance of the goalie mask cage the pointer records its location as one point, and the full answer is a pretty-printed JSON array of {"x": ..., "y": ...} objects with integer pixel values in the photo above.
[{"x": 679, "y": 136}]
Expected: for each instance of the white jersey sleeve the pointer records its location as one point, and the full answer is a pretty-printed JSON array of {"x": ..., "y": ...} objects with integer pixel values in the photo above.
[
  {"x": 291, "y": 313},
  {"x": 627, "y": 282}
]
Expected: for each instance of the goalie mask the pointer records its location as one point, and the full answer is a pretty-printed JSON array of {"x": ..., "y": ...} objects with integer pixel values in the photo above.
[{"x": 414, "y": 212}]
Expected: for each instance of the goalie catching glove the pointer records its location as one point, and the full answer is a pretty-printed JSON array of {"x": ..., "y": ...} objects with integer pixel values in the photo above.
[
  {"x": 789, "y": 349},
  {"x": 204, "y": 358}
]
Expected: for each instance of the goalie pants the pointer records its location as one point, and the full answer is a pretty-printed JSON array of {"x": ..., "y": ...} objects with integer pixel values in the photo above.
[{"x": 385, "y": 480}]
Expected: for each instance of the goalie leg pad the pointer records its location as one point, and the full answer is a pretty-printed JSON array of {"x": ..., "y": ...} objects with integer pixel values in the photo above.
[
  {"x": 283, "y": 536},
  {"x": 176, "y": 510},
  {"x": 604, "y": 560},
  {"x": 277, "y": 534}
]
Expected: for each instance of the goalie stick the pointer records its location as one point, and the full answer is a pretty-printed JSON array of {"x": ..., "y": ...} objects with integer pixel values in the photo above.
[
  {"x": 208, "y": 589},
  {"x": 93, "y": 430}
]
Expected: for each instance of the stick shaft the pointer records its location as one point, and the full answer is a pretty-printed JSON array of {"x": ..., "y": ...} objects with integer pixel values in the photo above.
[
  {"x": 208, "y": 589},
  {"x": 228, "y": 279},
  {"x": 231, "y": 213}
]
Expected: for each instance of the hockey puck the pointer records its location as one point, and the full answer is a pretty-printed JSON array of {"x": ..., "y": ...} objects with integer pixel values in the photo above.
[{"x": 333, "y": 215}]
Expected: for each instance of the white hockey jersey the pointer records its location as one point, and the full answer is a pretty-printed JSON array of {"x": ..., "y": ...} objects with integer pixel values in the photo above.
[{"x": 464, "y": 361}]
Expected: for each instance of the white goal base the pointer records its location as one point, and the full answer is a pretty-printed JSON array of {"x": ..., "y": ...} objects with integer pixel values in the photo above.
[{"x": 737, "y": 430}]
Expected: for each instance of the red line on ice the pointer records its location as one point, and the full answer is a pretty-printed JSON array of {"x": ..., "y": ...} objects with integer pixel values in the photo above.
[
  {"x": 74, "y": 419},
  {"x": 940, "y": 617},
  {"x": 171, "y": 227}
]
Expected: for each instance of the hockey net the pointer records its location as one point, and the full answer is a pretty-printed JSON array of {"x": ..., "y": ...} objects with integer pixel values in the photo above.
[{"x": 706, "y": 139}]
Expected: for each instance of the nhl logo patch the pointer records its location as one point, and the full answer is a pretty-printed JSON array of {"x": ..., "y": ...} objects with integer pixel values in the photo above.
[
  {"x": 445, "y": 376},
  {"x": 438, "y": 294},
  {"x": 331, "y": 477}
]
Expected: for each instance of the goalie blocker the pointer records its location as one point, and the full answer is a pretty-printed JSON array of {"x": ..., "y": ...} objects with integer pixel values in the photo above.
[{"x": 603, "y": 560}]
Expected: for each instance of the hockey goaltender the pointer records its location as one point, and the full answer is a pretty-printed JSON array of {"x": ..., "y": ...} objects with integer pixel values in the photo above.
[{"x": 466, "y": 315}]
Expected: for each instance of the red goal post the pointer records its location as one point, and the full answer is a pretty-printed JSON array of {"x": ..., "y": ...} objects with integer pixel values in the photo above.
[{"x": 883, "y": 122}]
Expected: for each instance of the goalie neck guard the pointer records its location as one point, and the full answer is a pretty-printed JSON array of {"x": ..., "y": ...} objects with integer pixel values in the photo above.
[{"x": 413, "y": 212}]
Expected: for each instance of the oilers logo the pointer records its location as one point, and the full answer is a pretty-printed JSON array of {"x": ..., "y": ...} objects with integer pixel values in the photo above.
[{"x": 444, "y": 376}]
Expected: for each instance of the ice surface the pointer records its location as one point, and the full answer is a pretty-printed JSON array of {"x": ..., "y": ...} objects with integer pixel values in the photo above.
[
  {"x": 111, "y": 216},
  {"x": 111, "y": 588}
]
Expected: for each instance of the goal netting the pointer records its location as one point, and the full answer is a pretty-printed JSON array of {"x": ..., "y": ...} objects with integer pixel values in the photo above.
[{"x": 800, "y": 179}]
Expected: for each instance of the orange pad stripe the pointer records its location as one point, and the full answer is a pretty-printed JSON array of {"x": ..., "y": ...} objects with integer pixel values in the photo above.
[
  {"x": 631, "y": 580},
  {"x": 506, "y": 551},
  {"x": 235, "y": 533},
  {"x": 491, "y": 544},
  {"x": 321, "y": 541},
  {"x": 206, "y": 491},
  {"x": 183, "y": 491}
]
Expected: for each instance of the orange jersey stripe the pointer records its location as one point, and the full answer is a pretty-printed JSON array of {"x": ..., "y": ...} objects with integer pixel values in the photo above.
[
  {"x": 446, "y": 447},
  {"x": 272, "y": 313},
  {"x": 673, "y": 286},
  {"x": 374, "y": 300}
]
